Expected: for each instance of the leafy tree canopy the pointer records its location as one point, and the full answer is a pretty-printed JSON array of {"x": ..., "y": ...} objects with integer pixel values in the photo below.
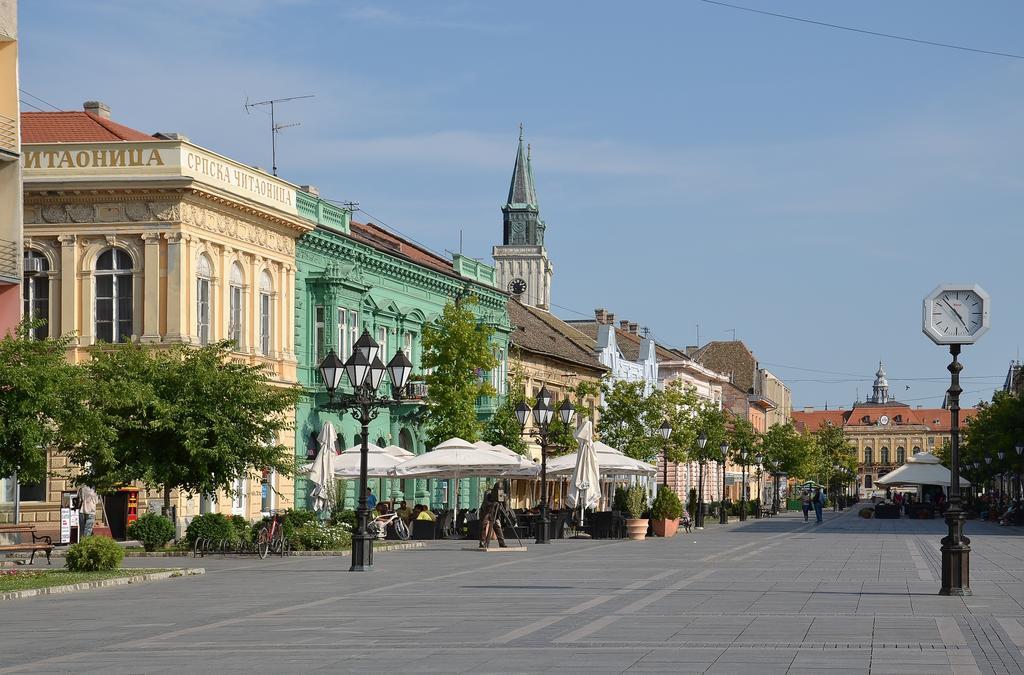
[
  {"x": 742, "y": 436},
  {"x": 41, "y": 403},
  {"x": 785, "y": 448},
  {"x": 456, "y": 351},
  {"x": 629, "y": 420},
  {"x": 183, "y": 418},
  {"x": 503, "y": 428}
]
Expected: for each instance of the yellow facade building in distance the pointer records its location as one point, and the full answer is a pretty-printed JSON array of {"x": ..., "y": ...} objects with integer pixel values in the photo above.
[{"x": 150, "y": 238}]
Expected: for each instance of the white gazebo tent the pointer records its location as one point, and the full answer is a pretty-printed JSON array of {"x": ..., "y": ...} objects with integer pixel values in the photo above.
[{"x": 921, "y": 469}]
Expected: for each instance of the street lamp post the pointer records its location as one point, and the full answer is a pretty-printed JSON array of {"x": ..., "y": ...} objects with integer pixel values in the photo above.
[
  {"x": 702, "y": 441},
  {"x": 1020, "y": 452},
  {"x": 665, "y": 430},
  {"x": 743, "y": 492},
  {"x": 365, "y": 372},
  {"x": 723, "y": 517},
  {"x": 759, "y": 460},
  {"x": 542, "y": 415},
  {"x": 1002, "y": 474},
  {"x": 775, "y": 488}
]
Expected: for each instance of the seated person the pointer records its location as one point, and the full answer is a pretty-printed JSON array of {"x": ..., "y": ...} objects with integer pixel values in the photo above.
[
  {"x": 404, "y": 512},
  {"x": 423, "y": 513}
]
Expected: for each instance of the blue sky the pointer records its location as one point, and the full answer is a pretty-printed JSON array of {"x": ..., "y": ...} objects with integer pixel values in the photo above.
[{"x": 695, "y": 164}]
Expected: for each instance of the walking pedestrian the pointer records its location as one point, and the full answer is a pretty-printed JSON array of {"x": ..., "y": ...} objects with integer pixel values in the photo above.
[
  {"x": 819, "y": 504},
  {"x": 805, "y": 502},
  {"x": 87, "y": 502}
]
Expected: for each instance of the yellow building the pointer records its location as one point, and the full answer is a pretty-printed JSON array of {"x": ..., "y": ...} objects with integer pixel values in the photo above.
[
  {"x": 10, "y": 172},
  {"x": 151, "y": 238}
]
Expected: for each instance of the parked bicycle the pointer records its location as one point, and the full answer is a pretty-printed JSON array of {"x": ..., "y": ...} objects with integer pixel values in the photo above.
[
  {"x": 379, "y": 526},
  {"x": 271, "y": 538}
]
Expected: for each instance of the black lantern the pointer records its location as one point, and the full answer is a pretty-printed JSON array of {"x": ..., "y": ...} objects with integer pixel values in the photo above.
[
  {"x": 356, "y": 368},
  {"x": 566, "y": 412},
  {"x": 542, "y": 412},
  {"x": 988, "y": 459},
  {"x": 724, "y": 449},
  {"x": 522, "y": 413},
  {"x": 758, "y": 459},
  {"x": 1002, "y": 455},
  {"x": 331, "y": 369},
  {"x": 665, "y": 430},
  {"x": 543, "y": 396},
  {"x": 399, "y": 370},
  {"x": 1020, "y": 448},
  {"x": 702, "y": 440},
  {"x": 723, "y": 517},
  {"x": 367, "y": 346}
]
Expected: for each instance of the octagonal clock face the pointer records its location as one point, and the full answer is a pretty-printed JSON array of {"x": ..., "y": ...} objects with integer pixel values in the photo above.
[
  {"x": 517, "y": 287},
  {"x": 956, "y": 314}
]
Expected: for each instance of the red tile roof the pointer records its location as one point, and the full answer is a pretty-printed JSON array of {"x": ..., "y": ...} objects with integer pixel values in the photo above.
[
  {"x": 75, "y": 126},
  {"x": 935, "y": 419},
  {"x": 379, "y": 238}
]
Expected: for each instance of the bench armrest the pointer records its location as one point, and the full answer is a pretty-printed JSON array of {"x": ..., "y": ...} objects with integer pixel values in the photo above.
[{"x": 45, "y": 538}]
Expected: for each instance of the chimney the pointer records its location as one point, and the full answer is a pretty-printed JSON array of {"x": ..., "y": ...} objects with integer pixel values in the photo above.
[
  {"x": 624, "y": 325},
  {"x": 634, "y": 327},
  {"x": 165, "y": 135},
  {"x": 311, "y": 189},
  {"x": 601, "y": 315},
  {"x": 808, "y": 408},
  {"x": 610, "y": 318},
  {"x": 98, "y": 108}
]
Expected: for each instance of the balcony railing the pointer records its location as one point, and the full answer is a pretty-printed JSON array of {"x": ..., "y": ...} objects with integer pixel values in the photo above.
[
  {"x": 9, "y": 260},
  {"x": 416, "y": 391},
  {"x": 8, "y": 135}
]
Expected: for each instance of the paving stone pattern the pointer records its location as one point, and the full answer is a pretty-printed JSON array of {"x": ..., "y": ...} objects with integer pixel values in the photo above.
[{"x": 766, "y": 596}]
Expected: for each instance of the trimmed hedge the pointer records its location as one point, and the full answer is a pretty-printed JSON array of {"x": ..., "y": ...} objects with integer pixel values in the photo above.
[
  {"x": 95, "y": 553},
  {"x": 152, "y": 529}
]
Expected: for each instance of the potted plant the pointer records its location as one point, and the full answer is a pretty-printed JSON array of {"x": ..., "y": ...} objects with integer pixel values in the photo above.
[
  {"x": 636, "y": 505},
  {"x": 665, "y": 512}
]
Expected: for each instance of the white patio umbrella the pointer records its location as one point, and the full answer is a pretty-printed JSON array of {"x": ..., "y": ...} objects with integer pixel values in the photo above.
[
  {"x": 921, "y": 469},
  {"x": 527, "y": 468},
  {"x": 379, "y": 462},
  {"x": 398, "y": 451},
  {"x": 610, "y": 461},
  {"x": 585, "y": 486},
  {"x": 456, "y": 458},
  {"x": 321, "y": 473}
]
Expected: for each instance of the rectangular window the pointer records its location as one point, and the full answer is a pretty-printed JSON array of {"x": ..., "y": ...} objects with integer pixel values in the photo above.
[
  {"x": 265, "y": 324},
  {"x": 869, "y": 457},
  {"x": 105, "y": 308},
  {"x": 267, "y": 492},
  {"x": 6, "y": 490},
  {"x": 238, "y": 496},
  {"x": 319, "y": 336},
  {"x": 343, "y": 344},
  {"x": 203, "y": 310},
  {"x": 353, "y": 330},
  {"x": 382, "y": 340},
  {"x": 33, "y": 492},
  {"x": 407, "y": 345},
  {"x": 36, "y": 298},
  {"x": 867, "y": 481},
  {"x": 235, "y": 318}
]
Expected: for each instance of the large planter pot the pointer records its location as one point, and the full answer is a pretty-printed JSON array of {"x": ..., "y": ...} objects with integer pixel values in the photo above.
[
  {"x": 637, "y": 528},
  {"x": 665, "y": 527}
]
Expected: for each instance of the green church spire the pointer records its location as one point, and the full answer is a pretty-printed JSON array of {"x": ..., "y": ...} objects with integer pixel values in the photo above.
[
  {"x": 521, "y": 213},
  {"x": 521, "y": 192}
]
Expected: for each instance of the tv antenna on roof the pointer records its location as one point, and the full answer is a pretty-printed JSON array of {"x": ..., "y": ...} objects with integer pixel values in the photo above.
[{"x": 275, "y": 128}]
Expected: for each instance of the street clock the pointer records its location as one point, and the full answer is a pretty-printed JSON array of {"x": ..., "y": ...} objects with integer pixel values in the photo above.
[{"x": 956, "y": 314}]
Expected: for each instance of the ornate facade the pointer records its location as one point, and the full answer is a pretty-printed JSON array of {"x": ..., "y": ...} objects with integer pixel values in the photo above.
[
  {"x": 151, "y": 238},
  {"x": 355, "y": 276}
]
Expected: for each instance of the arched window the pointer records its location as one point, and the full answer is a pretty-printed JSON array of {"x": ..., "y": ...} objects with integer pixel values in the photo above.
[
  {"x": 114, "y": 296},
  {"x": 869, "y": 457},
  {"x": 917, "y": 449},
  {"x": 884, "y": 456},
  {"x": 204, "y": 278},
  {"x": 35, "y": 291},
  {"x": 901, "y": 455},
  {"x": 266, "y": 293},
  {"x": 235, "y": 316}
]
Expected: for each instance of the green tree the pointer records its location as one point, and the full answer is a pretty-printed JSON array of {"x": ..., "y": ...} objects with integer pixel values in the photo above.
[
  {"x": 41, "y": 403},
  {"x": 742, "y": 436},
  {"x": 998, "y": 425},
  {"x": 629, "y": 419},
  {"x": 562, "y": 437},
  {"x": 830, "y": 448},
  {"x": 680, "y": 406},
  {"x": 456, "y": 350},
  {"x": 504, "y": 427},
  {"x": 783, "y": 446},
  {"x": 183, "y": 418}
]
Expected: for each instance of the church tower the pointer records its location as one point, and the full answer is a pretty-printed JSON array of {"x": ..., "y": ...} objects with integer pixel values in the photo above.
[
  {"x": 522, "y": 261},
  {"x": 880, "y": 390}
]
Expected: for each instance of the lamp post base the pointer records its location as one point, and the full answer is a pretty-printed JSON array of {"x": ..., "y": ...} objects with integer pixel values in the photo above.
[
  {"x": 544, "y": 530},
  {"x": 956, "y": 557},
  {"x": 362, "y": 553}
]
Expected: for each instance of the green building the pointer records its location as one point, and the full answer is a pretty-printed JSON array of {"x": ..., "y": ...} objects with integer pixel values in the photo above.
[{"x": 352, "y": 276}]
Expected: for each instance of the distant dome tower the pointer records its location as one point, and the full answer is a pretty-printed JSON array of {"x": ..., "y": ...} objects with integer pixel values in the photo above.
[{"x": 880, "y": 389}]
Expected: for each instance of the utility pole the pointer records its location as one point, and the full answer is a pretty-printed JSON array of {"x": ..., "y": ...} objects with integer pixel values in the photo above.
[{"x": 275, "y": 128}]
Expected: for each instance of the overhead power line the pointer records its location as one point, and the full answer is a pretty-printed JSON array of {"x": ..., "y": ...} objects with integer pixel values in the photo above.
[
  {"x": 863, "y": 31},
  {"x": 44, "y": 102}
]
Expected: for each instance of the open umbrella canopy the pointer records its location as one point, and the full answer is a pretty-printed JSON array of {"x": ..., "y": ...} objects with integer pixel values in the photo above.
[
  {"x": 321, "y": 472},
  {"x": 456, "y": 458},
  {"x": 379, "y": 462},
  {"x": 527, "y": 468},
  {"x": 585, "y": 486},
  {"x": 399, "y": 452},
  {"x": 610, "y": 461},
  {"x": 921, "y": 469}
]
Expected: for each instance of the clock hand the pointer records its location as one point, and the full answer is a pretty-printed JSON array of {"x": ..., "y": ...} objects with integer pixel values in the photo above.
[{"x": 948, "y": 304}]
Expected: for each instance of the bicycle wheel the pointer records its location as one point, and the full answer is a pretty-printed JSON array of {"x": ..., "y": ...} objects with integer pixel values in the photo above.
[
  {"x": 263, "y": 542},
  {"x": 402, "y": 530},
  {"x": 280, "y": 544}
]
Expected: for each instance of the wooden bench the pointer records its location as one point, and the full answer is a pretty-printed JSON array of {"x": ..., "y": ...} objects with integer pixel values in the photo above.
[{"x": 38, "y": 543}]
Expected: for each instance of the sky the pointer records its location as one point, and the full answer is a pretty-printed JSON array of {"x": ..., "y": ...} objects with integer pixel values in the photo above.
[{"x": 802, "y": 186}]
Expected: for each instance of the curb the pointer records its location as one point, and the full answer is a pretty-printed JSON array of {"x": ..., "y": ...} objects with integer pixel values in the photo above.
[
  {"x": 379, "y": 548},
  {"x": 104, "y": 583}
]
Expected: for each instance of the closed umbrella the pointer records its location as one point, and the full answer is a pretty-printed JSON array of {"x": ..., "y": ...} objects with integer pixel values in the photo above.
[
  {"x": 585, "y": 488},
  {"x": 321, "y": 473}
]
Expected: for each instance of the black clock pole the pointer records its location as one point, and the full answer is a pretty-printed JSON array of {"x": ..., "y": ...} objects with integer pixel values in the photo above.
[{"x": 956, "y": 548}]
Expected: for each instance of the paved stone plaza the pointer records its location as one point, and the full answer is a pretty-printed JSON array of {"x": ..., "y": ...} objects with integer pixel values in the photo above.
[{"x": 768, "y": 596}]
